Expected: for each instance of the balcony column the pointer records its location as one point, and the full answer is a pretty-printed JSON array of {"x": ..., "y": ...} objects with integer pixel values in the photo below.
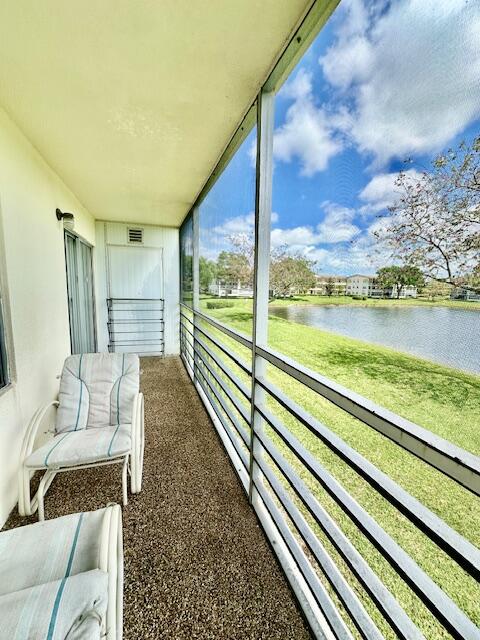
[
  {"x": 263, "y": 210},
  {"x": 196, "y": 279}
]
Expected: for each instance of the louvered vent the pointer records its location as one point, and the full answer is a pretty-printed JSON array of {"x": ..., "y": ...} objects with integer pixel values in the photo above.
[{"x": 135, "y": 236}]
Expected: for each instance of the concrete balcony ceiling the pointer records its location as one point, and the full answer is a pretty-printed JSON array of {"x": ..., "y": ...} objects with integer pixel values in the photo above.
[{"x": 132, "y": 103}]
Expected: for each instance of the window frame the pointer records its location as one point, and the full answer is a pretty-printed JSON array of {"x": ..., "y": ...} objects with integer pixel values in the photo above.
[{"x": 5, "y": 380}]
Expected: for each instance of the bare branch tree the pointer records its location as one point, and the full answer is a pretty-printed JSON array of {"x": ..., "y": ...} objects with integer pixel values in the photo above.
[{"x": 435, "y": 222}]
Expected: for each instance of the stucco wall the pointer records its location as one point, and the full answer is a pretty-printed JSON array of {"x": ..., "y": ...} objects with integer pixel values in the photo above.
[{"x": 32, "y": 269}]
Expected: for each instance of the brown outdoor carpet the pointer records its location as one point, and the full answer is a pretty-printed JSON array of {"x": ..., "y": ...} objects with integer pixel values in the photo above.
[{"x": 197, "y": 564}]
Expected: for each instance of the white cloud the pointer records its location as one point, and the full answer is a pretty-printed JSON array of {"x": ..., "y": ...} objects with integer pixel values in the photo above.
[
  {"x": 351, "y": 62},
  {"x": 337, "y": 225},
  {"x": 306, "y": 134},
  {"x": 296, "y": 237},
  {"x": 299, "y": 87},
  {"x": 411, "y": 71},
  {"x": 240, "y": 224},
  {"x": 335, "y": 244},
  {"x": 381, "y": 192},
  {"x": 237, "y": 224}
]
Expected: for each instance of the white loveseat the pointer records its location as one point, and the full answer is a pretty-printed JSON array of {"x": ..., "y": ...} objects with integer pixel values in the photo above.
[{"x": 63, "y": 578}]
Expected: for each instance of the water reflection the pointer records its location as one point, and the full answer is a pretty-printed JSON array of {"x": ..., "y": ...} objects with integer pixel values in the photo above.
[{"x": 440, "y": 334}]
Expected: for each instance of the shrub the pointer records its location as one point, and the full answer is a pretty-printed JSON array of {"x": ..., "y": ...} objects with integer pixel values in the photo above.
[
  {"x": 219, "y": 304},
  {"x": 359, "y": 298}
]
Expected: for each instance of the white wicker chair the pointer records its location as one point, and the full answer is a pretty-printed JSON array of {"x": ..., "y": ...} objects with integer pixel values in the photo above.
[
  {"x": 99, "y": 421},
  {"x": 63, "y": 578}
]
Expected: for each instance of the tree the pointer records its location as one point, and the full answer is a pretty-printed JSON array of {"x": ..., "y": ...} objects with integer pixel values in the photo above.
[
  {"x": 396, "y": 278},
  {"x": 434, "y": 290},
  {"x": 233, "y": 268},
  {"x": 329, "y": 286},
  {"x": 290, "y": 273},
  {"x": 435, "y": 223},
  {"x": 207, "y": 272}
]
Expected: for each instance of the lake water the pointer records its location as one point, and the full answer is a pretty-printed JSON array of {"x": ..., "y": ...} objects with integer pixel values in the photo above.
[{"x": 440, "y": 334}]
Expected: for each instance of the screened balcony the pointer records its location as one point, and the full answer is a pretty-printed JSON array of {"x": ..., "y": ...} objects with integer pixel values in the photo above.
[{"x": 207, "y": 186}]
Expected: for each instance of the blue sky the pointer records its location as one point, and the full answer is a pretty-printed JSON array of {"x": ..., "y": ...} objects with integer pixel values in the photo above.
[{"x": 382, "y": 82}]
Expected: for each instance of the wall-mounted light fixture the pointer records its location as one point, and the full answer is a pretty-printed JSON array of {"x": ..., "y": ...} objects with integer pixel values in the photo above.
[{"x": 68, "y": 218}]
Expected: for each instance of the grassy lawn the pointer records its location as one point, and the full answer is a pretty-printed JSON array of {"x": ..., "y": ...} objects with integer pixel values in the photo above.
[
  {"x": 307, "y": 300},
  {"x": 441, "y": 399}
]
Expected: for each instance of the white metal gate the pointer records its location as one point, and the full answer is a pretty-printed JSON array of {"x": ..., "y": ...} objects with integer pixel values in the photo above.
[{"x": 135, "y": 299}]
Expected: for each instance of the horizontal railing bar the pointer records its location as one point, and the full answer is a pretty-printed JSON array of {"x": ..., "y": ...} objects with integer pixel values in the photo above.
[
  {"x": 445, "y": 610},
  {"x": 352, "y": 604},
  {"x": 380, "y": 595},
  {"x": 187, "y": 341},
  {"x": 134, "y": 342},
  {"x": 130, "y": 300},
  {"x": 245, "y": 414},
  {"x": 151, "y": 331},
  {"x": 228, "y": 352},
  {"x": 324, "y": 601},
  {"x": 147, "y": 352},
  {"x": 203, "y": 381},
  {"x": 458, "y": 464},
  {"x": 236, "y": 381},
  {"x": 231, "y": 333},
  {"x": 135, "y": 310},
  {"x": 460, "y": 549},
  {"x": 241, "y": 430},
  {"x": 136, "y": 321},
  {"x": 185, "y": 328},
  {"x": 241, "y": 454},
  {"x": 184, "y": 313},
  {"x": 187, "y": 365}
]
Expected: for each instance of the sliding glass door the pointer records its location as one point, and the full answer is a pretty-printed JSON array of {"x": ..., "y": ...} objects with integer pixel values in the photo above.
[{"x": 78, "y": 257}]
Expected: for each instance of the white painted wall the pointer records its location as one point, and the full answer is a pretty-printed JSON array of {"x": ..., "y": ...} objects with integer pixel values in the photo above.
[
  {"x": 32, "y": 269},
  {"x": 166, "y": 238}
]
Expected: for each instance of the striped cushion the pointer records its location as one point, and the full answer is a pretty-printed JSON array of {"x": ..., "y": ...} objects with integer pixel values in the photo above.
[
  {"x": 72, "y": 608},
  {"x": 82, "y": 447},
  {"x": 97, "y": 390},
  {"x": 48, "y": 551}
]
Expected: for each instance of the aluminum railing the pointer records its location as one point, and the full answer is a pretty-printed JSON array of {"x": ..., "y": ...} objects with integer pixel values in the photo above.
[
  {"x": 271, "y": 467},
  {"x": 136, "y": 325}
]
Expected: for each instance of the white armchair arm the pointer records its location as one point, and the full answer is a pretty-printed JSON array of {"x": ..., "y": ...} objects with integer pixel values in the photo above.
[
  {"x": 24, "y": 502},
  {"x": 111, "y": 561},
  {"x": 138, "y": 443}
]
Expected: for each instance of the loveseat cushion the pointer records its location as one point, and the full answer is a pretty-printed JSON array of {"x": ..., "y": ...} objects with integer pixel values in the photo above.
[
  {"x": 72, "y": 608},
  {"x": 47, "y": 551}
]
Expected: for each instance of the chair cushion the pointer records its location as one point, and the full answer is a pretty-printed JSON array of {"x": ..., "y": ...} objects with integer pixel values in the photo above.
[
  {"x": 45, "y": 551},
  {"x": 82, "y": 447},
  {"x": 72, "y": 608},
  {"x": 97, "y": 389}
]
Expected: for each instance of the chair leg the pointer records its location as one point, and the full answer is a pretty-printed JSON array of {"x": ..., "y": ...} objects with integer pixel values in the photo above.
[
  {"x": 133, "y": 473},
  {"x": 24, "y": 499},
  {"x": 40, "y": 494},
  {"x": 124, "y": 482}
]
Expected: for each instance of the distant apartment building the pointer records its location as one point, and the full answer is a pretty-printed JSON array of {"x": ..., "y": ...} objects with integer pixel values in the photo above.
[
  {"x": 217, "y": 289},
  {"x": 408, "y": 291},
  {"x": 463, "y": 293},
  {"x": 329, "y": 284},
  {"x": 368, "y": 287},
  {"x": 225, "y": 290},
  {"x": 360, "y": 285}
]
